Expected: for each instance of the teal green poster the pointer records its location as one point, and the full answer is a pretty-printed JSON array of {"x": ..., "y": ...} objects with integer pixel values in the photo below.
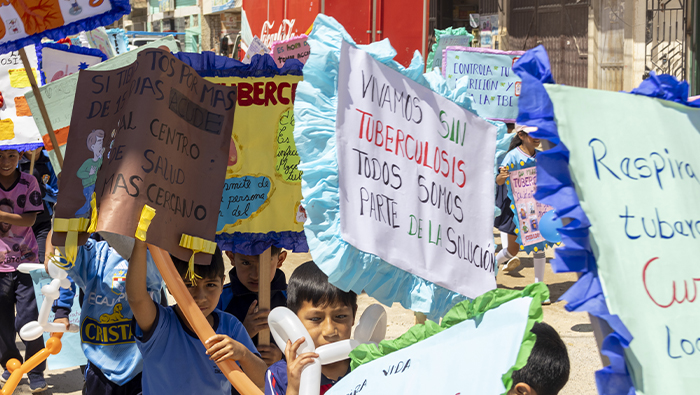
[{"x": 634, "y": 161}]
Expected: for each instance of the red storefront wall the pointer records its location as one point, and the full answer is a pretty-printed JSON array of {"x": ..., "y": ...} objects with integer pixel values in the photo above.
[{"x": 403, "y": 22}]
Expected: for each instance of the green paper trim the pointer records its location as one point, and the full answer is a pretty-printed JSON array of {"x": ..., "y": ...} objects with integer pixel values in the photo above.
[
  {"x": 465, "y": 310},
  {"x": 450, "y": 31}
]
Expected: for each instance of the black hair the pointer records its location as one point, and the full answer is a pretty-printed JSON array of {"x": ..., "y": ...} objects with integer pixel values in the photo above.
[
  {"x": 214, "y": 270},
  {"x": 275, "y": 250},
  {"x": 309, "y": 284},
  {"x": 515, "y": 142},
  {"x": 547, "y": 368}
]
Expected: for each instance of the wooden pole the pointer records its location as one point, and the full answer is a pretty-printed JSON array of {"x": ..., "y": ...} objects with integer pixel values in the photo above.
[
  {"x": 199, "y": 323},
  {"x": 264, "y": 292},
  {"x": 42, "y": 107},
  {"x": 31, "y": 164}
]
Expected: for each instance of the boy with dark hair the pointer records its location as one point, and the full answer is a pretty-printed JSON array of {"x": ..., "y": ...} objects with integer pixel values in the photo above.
[
  {"x": 163, "y": 333},
  {"x": 240, "y": 296},
  {"x": 328, "y": 314},
  {"x": 547, "y": 368}
]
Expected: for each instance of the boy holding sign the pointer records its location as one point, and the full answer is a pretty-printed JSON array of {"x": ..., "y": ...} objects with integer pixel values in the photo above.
[{"x": 164, "y": 334}]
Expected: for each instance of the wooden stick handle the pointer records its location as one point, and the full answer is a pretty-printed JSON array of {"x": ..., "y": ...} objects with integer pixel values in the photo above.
[
  {"x": 42, "y": 106},
  {"x": 199, "y": 323},
  {"x": 264, "y": 292}
]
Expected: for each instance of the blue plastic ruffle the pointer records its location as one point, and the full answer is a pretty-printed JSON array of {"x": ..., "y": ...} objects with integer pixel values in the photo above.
[
  {"x": 665, "y": 87},
  {"x": 530, "y": 248},
  {"x": 256, "y": 243},
  {"x": 316, "y": 103},
  {"x": 208, "y": 64},
  {"x": 119, "y": 8},
  {"x": 66, "y": 48},
  {"x": 556, "y": 188}
]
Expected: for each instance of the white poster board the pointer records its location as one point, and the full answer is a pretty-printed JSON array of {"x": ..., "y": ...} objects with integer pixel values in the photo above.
[
  {"x": 17, "y": 127},
  {"x": 416, "y": 176}
]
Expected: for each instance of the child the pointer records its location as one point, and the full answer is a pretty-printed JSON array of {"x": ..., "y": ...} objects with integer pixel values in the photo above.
[
  {"x": 547, "y": 368},
  {"x": 522, "y": 148},
  {"x": 114, "y": 362},
  {"x": 240, "y": 296},
  {"x": 328, "y": 314},
  {"x": 48, "y": 184},
  {"x": 20, "y": 201},
  {"x": 163, "y": 333}
]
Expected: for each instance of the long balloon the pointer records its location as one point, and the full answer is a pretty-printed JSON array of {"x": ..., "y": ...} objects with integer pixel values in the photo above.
[
  {"x": 199, "y": 323},
  {"x": 53, "y": 346}
]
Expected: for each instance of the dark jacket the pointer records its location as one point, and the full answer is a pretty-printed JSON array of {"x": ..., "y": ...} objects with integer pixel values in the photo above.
[
  {"x": 48, "y": 183},
  {"x": 236, "y": 298}
]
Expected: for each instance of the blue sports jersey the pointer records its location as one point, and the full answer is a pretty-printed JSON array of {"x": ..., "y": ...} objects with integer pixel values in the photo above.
[
  {"x": 105, "y": 319},
  {"x": 516, "y": 155},
  {"x": 175, "y": 360}
]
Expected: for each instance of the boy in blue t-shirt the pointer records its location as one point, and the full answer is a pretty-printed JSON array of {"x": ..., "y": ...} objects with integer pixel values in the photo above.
[
  {"x": 175, "y": 360},
  {"x": 114, "y": 363},
  {"x": 328, "y": 314}
]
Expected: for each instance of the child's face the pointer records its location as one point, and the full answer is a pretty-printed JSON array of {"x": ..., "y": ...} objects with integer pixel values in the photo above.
[
  {"x": 248, "y": 268},
  {"x": 327, "y": 324},
  {"x": 206, "y": 293},
  {"x": 8, "y": 162}
]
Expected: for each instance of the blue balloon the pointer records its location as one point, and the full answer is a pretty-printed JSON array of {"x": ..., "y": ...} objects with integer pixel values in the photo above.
[{"x": 548, "y": 227}]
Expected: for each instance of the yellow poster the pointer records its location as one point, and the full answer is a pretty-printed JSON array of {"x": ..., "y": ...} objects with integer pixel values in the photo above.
[{"x": 262, "y": 192}]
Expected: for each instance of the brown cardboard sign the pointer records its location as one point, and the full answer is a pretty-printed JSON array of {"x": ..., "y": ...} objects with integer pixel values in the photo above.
[{"x": 152, "y": 133}]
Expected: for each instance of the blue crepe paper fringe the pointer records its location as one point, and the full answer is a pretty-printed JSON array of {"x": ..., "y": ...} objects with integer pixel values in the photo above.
[
  {"x": 22, "y": 147},
  {"x": 66, "y": 48},
  {"x": 119, "y": 8},
  {"x": 208, "y": 64},
  {"x": 528, "y": 249},
  {"x": 555, "y": 188},
  {"x": 316, "y": 102}
]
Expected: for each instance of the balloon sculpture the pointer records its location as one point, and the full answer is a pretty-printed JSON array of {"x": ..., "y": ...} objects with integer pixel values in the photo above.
[
  {"x": 285, "y": 325},
  {"x": 32, "y": 330}
]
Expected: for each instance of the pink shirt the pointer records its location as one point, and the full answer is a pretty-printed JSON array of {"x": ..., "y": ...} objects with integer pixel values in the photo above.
[{"x": 17, "y": 243}]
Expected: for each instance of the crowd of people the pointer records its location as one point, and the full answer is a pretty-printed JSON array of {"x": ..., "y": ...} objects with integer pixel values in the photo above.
[{"x": 128, "y": 331}]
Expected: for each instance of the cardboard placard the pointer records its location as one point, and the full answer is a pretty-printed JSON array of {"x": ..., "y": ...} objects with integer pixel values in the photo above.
[
  {"x": 493, "y": 85},
  {"x": 152, "y": 133},
  {"x": 294, "y": 48},
  {"x": 415, "y": 176}
]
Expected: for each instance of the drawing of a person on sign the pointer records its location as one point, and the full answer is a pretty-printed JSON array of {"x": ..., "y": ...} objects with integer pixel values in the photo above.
[{"x": 88, "y": 171}]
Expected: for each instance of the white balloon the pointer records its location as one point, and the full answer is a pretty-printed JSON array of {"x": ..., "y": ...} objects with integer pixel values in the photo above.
[{"x": 285, "y": 325}]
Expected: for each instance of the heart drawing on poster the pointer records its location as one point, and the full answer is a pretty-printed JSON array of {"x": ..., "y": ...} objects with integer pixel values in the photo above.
[{"x": 243, "y": 197}]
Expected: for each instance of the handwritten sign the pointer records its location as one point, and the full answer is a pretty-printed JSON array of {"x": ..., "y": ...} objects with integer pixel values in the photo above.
[
  {"x": 638, "y": 188},
  {"x": 17, "y": 127},
  {"x": 59, "y": 96},
  {"x": 432, "y": 362},
  {"x": 262, "y": 191},
  {"x": 414, "y": 170},
  {"x": 523, "y": 184},
  {"x": 450, "y": 41},
  {"x": 152, "y": 133},
  {"x": 72, "y": 352},
  {"x": 295, "y": 48},
  {"x": 26, "y": 23},
  {"x": 492, "y": 84},
  {"x": 255, "y": 48}
]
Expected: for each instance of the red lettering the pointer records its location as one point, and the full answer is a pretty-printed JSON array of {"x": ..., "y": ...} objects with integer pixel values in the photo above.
[
  {"x": 244, "y": 94},
  {"x": 294, "y": 91},
  {"x": 270, "y": 89},
  {"x": 399, "y": 139},
  {"x": 407, "y": 150},
  {"x": 280, "y": 88},
  {"x": 362, "y": 121},
  {"x": 258, "y": 92},
  {"x": 388, "y": 139},
  {"x": 675, "y": 296},
  {"x": 464, "y": 175},
  {"x": 378, "y": 126},
  {"x": 447, "y": 163}
]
